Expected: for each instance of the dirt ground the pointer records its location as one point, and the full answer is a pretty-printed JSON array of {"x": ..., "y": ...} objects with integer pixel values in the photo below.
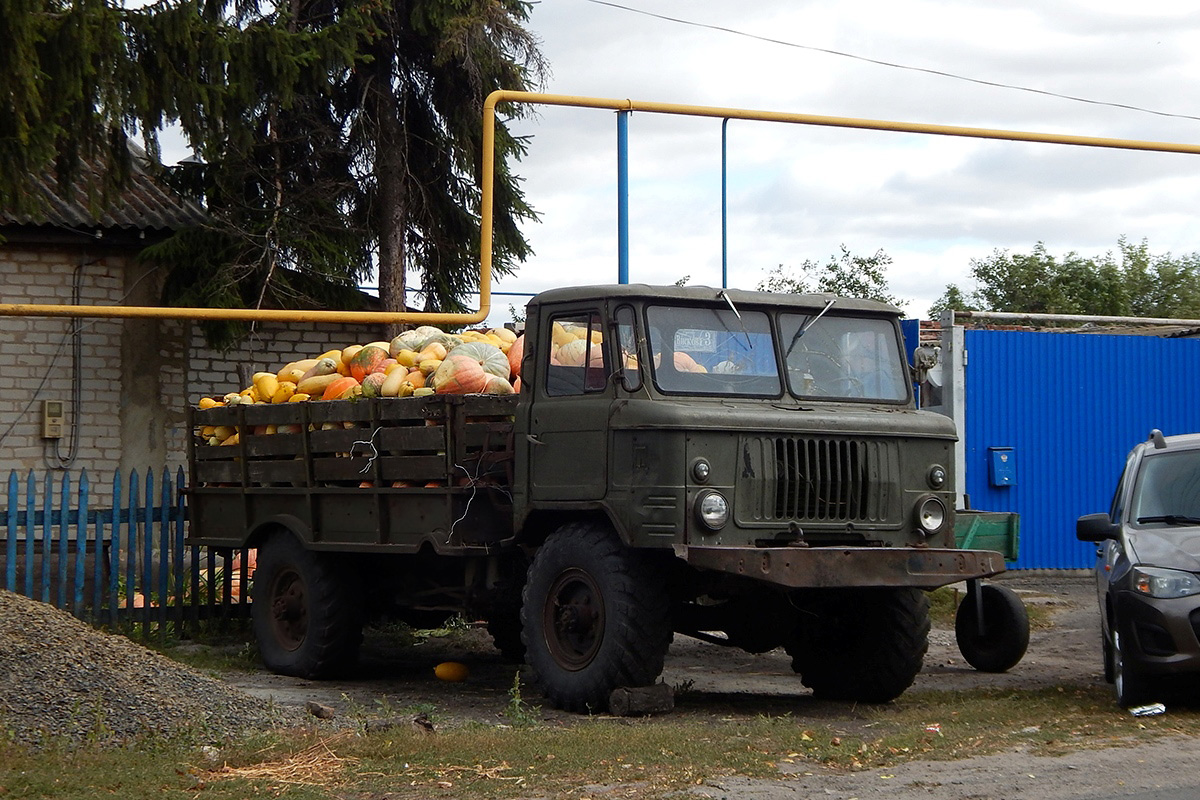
[
  {"x": 731, "y": 682},
  {"x": 708, "y": 678}
]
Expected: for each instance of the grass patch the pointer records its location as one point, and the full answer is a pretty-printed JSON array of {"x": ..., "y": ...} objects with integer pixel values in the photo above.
[{"x": 653, "y": 757}]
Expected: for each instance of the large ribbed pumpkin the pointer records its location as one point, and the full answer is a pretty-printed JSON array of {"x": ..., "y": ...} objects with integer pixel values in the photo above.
[
  {"x": 459, "y": 375},
  {"x": 490, "y": 357}
]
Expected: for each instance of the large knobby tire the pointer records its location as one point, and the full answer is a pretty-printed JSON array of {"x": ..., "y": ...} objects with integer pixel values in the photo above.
[
  {"x": 307, "y": 615},
  {"x": 1006, "y": 626},
  {"x": 864, "y": 645},
  {"x": 595, "y": 617},
  {"x": 504, "y": 625}
]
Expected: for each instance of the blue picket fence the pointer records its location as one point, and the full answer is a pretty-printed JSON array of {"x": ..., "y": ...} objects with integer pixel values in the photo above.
[{"x": 126, "y": 566}]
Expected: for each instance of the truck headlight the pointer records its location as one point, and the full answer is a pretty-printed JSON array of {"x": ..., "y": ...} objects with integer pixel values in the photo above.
[
  {"x": 1158, "y": 582},
  {"x": 930, "y": 515},
  {"x": 712, "y": 510}
]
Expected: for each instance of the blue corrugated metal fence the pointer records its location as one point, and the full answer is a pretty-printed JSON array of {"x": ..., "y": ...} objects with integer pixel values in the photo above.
[
  {"x": 121, "y": 566},
  {"x": 1070, "y": 406}
]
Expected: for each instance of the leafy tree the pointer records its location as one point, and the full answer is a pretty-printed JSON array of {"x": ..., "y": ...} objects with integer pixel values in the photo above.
[
  {"x": 1130, "y": 282},
  {"x": 844, "y": 274},
  {"x": 952, "y": 298},
  {"x": 333, "y": 136}
]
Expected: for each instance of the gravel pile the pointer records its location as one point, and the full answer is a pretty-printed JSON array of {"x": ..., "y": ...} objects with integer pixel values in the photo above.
[{"x": 63, "y": 680}]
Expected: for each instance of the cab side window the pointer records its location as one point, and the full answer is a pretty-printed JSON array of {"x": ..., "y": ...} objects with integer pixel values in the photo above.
[{"x": 577, "y": 364}]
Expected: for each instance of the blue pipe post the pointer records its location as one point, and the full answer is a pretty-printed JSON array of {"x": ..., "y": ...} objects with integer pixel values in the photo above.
[
  {"x": 622, "y": 197},
  {"x": 724, "y": 203}
]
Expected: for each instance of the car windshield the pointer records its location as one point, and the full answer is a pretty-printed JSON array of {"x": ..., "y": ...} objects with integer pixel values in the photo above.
[
  {"x": 846, "y": 357},
  {"x": 1167, "y": 490},
  {"x": 713, "y": 351}
]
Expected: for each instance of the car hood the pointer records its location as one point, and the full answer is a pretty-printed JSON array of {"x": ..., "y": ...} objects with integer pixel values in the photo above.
[{"x": 1175, "y": 547}]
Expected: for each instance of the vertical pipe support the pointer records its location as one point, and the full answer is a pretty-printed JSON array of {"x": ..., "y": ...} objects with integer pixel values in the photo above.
[
  {"x": 954, "y": 386},
  {"x": 725, "y": 203},
  {"x": 622, "y": 197}
]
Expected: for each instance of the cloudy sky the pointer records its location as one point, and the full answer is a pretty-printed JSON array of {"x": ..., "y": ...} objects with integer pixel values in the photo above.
[{"x": 799, "y": 192}]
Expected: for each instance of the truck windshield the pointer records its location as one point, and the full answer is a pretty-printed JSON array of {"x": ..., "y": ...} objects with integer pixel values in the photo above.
[
  {"x": 1167, "y": 491},
  {"x": 845, "y": 357},
  {"x": 713, "y": 351}
]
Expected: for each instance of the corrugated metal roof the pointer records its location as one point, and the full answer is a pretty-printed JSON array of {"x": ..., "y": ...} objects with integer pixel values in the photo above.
[{"x": 142, "y": 205}]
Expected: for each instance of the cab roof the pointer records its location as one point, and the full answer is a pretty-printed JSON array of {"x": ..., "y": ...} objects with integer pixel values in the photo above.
[{"x": 707, "y": 294}]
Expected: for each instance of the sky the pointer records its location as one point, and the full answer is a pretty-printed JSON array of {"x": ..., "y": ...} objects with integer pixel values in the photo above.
[{"x": 799, "y": 193}]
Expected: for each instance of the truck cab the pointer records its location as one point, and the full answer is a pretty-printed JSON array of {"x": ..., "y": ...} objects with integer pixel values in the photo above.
[{"x": 697, "y": 420}]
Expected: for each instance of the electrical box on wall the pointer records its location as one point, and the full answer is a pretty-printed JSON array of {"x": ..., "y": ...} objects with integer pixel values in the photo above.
[{"x": 53, "y": 415}]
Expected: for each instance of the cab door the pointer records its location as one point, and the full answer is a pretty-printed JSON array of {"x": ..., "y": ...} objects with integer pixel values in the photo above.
[{"x": 568, "y": 423}]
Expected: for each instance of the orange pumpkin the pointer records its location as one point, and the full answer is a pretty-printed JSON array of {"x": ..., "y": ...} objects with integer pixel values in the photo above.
[
  {"x": 459, "y": 375},
  {"x": 514, "y": 355},
  {"x": 364, "y": 362},
  {"x": 342, "y": 387}
]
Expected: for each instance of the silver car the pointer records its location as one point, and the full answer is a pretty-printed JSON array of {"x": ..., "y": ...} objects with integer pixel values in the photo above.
[{"x": 1148, "y": 570}]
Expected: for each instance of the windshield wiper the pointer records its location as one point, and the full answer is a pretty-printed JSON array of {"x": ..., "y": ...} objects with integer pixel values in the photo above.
[
  {"x": 1171, "y": 519},
  {"x": 803, "y": 329},
  {"x": 738, "y": 314}
]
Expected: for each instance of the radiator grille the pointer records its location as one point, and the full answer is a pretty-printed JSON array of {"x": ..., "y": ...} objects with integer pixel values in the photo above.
[{"x": 815, "y": 479}]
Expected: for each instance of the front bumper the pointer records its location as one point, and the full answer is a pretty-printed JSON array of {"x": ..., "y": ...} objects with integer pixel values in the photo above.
[
  {"x": 1162, "y": 632},
  {"x": 835, "y": 567}
]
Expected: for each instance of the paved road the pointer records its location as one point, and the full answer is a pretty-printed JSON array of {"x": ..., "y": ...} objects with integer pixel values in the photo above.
[{"x": 1164, "y": 770}]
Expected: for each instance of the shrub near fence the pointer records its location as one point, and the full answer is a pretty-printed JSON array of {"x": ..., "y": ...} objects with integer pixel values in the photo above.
[{"x": 125, "y": 567}]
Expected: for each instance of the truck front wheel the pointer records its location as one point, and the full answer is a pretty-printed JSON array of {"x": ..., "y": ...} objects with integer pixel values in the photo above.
[
  {"x": 865, "y": 645},
  {"x": 594, "y": 618},
  {"x": 307, "y": 617}
]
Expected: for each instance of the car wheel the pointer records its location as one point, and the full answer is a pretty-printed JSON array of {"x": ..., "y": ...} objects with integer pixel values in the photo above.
[
  {"x": 1132, "y": 687},
  {"x": 1110, "y": 669}
]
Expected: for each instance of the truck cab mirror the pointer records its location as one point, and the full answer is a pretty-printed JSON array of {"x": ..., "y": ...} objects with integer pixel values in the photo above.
[{"x": 1096, "y": 528}]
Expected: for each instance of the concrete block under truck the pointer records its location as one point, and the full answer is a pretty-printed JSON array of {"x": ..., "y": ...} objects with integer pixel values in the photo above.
[{"x": 745, "y": 468}]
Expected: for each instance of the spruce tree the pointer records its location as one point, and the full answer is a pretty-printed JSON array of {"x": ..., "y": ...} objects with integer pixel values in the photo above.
[{"x": 331, "y": 136}]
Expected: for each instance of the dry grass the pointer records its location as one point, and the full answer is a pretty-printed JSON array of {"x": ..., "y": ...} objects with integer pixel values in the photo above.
[{"x": 315, "y": 765}]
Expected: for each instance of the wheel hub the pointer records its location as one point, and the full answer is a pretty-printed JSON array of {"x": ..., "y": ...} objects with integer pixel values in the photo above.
[
  {"x": 289, "y": 610},
  {"x": 574, "y": 619}
]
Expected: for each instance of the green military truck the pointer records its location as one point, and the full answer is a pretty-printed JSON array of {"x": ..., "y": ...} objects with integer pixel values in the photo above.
[{"x": 745, "y": 468}]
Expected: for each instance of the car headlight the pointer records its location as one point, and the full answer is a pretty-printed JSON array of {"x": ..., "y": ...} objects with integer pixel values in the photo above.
[
  {"x": 712, "y": 510},
  {"x": 1157, "y": 582},
  {"x": 936, "y": 476},
  {"x": 930, "y": 515},
  {"x": 701, "y": 469}
]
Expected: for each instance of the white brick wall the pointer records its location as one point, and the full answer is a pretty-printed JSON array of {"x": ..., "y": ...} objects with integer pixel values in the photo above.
[{"x": 36, "y": 365}]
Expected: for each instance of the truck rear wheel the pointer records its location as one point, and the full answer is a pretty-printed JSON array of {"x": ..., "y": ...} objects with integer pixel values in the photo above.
[
  {"x": 865, "y": 645},
  {"x": 307, "y": 618},
  {"x": 594, "y": 618}
]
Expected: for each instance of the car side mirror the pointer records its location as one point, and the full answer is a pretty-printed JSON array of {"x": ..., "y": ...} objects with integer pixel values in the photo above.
[{"x": 1095, "y": 528}]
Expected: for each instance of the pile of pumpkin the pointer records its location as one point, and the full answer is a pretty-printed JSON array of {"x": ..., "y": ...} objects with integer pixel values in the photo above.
[{"x": 419, "y": 362}]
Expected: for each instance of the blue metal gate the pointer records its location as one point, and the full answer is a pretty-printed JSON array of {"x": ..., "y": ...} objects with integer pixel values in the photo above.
[{"x": 1070, "y": 406}]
